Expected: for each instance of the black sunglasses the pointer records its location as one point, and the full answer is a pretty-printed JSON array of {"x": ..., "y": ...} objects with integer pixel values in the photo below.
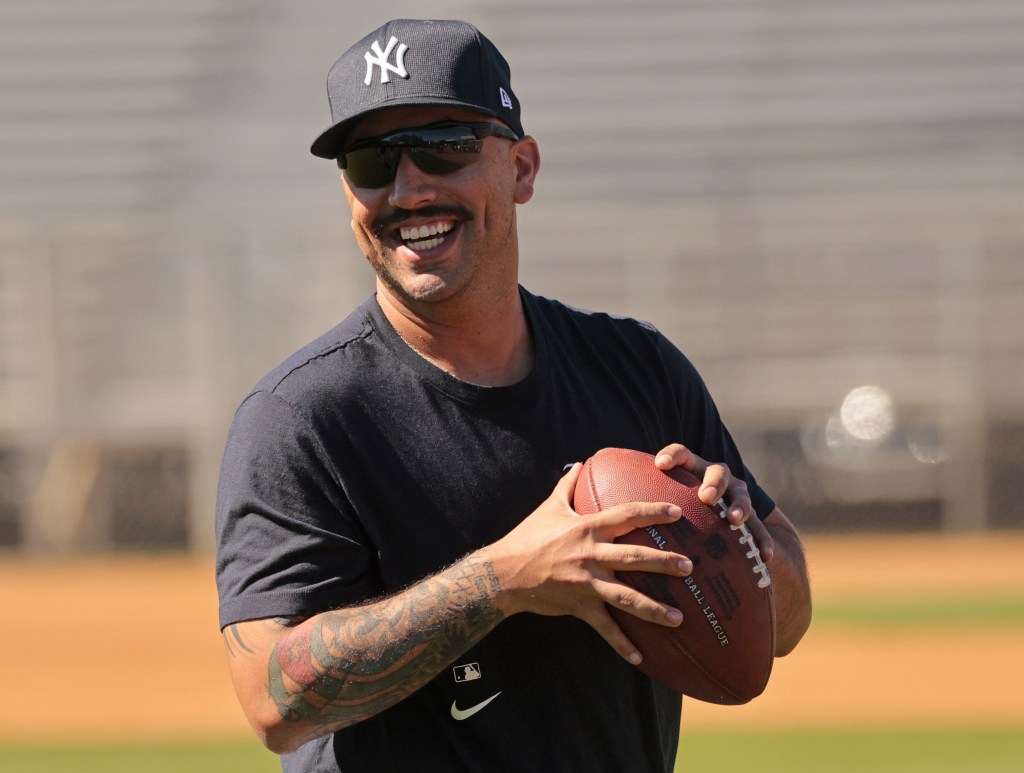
[{"x": 438, "y": 148}]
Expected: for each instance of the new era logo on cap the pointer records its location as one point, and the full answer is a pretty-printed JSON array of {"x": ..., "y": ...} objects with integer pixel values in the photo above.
[{"x": 422, "y": 62}]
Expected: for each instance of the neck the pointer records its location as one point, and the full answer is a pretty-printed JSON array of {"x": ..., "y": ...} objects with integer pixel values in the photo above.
[{"x": 491, "y": 348}]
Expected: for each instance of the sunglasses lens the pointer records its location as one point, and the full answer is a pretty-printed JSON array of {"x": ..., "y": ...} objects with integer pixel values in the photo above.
[
  {"x": 439, "y": 163},
  {"x": 371, "y": 167},
  {"x": 438, "y": 149},
  {"x": 375, "y": 167}
]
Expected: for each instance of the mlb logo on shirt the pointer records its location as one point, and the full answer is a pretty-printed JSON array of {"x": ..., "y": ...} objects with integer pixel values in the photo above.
[{"x": 467, "y": 672}]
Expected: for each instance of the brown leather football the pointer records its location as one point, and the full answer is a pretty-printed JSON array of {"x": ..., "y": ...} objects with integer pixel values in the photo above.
[{"x": 724, "y": 648}]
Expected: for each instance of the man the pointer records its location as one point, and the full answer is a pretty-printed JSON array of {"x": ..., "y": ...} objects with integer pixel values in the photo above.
[{"x": 404, "y": 584}]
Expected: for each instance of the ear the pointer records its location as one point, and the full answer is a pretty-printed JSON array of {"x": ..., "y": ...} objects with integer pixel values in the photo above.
[{"x": 527, "y": 162}]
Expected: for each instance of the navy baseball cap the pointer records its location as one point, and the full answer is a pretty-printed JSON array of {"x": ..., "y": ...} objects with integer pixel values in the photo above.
[{"x": 417, "y": 62}]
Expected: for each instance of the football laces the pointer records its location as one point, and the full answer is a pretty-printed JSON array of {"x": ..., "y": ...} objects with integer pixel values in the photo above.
[{"x": 754, "y": 553}]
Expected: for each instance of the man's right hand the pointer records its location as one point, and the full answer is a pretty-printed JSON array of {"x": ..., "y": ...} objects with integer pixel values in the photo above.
[{"x": 557, "y": 562}]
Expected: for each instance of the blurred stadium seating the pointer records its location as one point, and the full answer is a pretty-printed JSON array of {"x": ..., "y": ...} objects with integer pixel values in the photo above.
[{"x": 820, "y": 202}]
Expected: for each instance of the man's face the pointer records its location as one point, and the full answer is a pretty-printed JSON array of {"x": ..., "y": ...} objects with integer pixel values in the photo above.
[{"x": 443, "y": 238}]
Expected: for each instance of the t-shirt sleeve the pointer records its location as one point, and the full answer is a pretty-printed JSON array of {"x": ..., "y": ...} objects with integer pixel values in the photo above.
[
  {"x": 287, "y": 541},
  {"x": 705, "y": 432}
]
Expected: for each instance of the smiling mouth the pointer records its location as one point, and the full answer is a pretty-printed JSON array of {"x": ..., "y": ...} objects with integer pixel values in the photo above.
[{"x": 426, "y": 236}]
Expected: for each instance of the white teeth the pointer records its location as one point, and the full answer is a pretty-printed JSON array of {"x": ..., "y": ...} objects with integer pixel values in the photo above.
[
  {"x": 429, "y": 244},
  {"x": 413, "y": 233}
]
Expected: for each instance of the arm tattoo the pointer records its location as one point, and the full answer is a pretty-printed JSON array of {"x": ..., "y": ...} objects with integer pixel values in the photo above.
[
  {"x": 234, "y": 639},
  {"x": 344, "y": 666}
]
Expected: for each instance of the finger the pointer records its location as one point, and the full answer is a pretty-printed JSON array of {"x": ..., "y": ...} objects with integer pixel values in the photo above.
[
  {"x": 738, "y": 507},
  {"x": 717, "y": 481},
  {"x": 626, "y": 557},
  {"x": 622, "y": 519},
  {"x": 762, "y": 538},
  {"x": 601, "y": 621},
  {"x": 715, "y": 478},
  {"x": 568, "y": 480},
  {"x": 567, "y": 483},
  {"x": 675, "y": 455},
  {"x": 621, "y": 596}
]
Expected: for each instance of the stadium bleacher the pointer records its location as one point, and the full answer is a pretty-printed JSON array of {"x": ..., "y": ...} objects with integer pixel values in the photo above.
[{"x": 807, "y": 197}]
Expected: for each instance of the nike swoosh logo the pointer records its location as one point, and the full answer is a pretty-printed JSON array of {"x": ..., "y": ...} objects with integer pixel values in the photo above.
[{"x": 461, "y": 714}]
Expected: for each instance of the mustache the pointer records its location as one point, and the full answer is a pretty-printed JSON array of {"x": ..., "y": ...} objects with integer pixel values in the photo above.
[{"x": 437, "y": 211}]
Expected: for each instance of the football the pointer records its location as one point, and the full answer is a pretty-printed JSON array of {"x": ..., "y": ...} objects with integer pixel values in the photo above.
[{"x": 724, "y": 648}]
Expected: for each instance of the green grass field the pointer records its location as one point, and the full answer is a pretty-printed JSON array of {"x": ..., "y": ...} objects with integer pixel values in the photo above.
[
  {"x": 947, "y": 613},
  {"x": 855, "y": 751},
  {"x": 236, "y": 757}
]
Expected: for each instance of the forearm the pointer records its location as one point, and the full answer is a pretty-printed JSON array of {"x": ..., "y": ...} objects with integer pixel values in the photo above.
[
  {"x": 792, "y": 589},
  {"x": 341, "y": 667}
]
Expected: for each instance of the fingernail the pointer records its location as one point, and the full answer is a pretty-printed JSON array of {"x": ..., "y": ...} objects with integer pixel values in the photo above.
[
  {"x": 675, "y": 511},
  {"x": 664, "y": 459},
  {"x": 675, "y": 616},
  {"x": 685, "y": 565},
  {"x": 635, "y": 658}
]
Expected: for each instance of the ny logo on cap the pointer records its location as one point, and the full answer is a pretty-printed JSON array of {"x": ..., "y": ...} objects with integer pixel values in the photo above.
[{"x": 380, "y": 59}]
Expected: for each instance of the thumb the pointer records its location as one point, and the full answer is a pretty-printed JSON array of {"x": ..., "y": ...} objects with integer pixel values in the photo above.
[{"x": 567, "y": 485}]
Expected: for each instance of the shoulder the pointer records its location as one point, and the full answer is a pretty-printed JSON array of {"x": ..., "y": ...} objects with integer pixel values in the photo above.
[
  {"x": 333, "y": 363},
  {"x": 609, "y": 335},
  {"x": 565, "y": 317},
  {"x": 331, "y": 345},
  {"x": 288, "y": 416}
]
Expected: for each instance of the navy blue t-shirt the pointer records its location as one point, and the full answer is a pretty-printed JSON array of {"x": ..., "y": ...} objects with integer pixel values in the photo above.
[{"x": 357, "y": 468}]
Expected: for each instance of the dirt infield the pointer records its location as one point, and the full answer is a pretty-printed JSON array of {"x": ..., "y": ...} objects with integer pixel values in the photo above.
[
  {"x": 935, "y": 675},
  {"x": 119, "y": 648}
]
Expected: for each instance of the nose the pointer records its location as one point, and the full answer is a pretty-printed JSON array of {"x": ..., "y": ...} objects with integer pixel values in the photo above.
[{"x": 412, "y": 186}]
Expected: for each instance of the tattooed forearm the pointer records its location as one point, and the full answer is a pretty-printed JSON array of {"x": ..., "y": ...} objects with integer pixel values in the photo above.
[{"x": 344, "y": 666}]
